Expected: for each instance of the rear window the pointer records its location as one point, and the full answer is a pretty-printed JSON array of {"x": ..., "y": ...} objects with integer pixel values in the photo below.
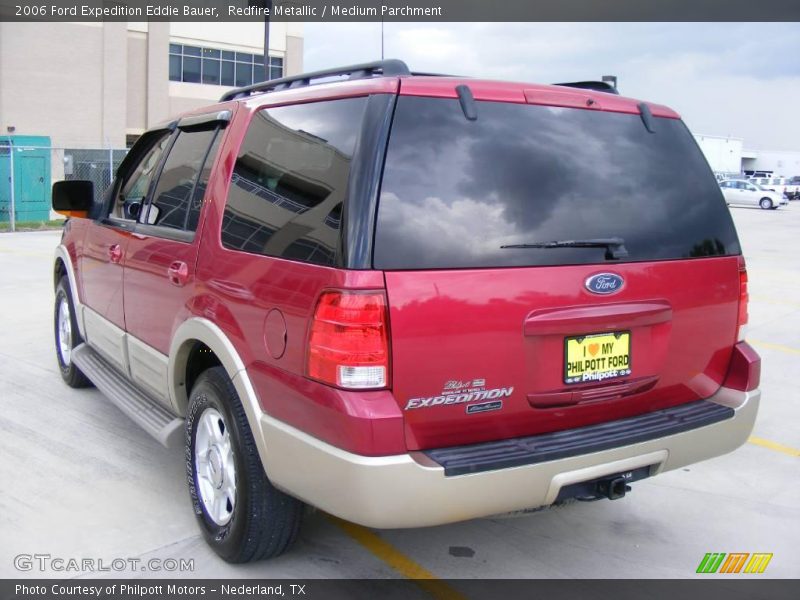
[{"x": 454, "y": 191}]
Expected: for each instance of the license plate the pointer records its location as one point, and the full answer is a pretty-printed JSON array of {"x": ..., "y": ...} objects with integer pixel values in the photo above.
[{"x": 597, "y": 357}]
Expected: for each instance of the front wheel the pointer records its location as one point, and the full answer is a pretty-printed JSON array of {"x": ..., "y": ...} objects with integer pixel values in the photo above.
[
  {"x": 67, "y": 336},
  {"x": 765, "y": 203},
  {"x": 243, "y": 517}
]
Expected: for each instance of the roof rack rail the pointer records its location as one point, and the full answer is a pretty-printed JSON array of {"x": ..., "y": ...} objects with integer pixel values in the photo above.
[
  {"x": 598, "y": 86},
  {"x": 382, "y": 68},
  {"x": 424, "y": 74}
]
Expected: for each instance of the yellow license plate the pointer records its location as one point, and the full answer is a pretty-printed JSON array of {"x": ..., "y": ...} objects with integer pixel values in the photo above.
[{"x": 597, "y": 357}]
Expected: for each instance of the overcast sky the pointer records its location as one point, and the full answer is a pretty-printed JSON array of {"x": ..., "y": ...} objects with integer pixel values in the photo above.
[{"x": 738, "y": 79}]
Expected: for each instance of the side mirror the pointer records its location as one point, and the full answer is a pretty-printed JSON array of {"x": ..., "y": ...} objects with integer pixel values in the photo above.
[
  {"x": 73, "y": 198},
  {"x": 152, "y": 214}
]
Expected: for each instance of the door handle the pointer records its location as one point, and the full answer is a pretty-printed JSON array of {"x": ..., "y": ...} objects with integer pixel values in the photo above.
[
  {"x": 178, "y": 273},
  {"x": 115, "y": 253}
]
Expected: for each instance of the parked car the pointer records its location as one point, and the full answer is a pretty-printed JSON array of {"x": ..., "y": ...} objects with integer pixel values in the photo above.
[
  {"x": 723, "y": 175},
  {"x": 793, "y": 187},
  {"x": 788, "y": 187},
  {"x": 409, "y": 300},
  {"x": 762, "y": 181},
  {"x": 745, "y": 193}
]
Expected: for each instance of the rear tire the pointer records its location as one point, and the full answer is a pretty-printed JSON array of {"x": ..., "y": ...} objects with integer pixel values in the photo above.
[
  {"x": 765, "y": 203},
  {"x": 243, "y": 517},
  {"x": 67, "y": 336}
]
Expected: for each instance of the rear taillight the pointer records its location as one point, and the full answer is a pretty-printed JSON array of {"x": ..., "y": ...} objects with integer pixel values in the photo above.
[
  {"x": 348, "y": 344},
  {"x": 744, "y": 298}
]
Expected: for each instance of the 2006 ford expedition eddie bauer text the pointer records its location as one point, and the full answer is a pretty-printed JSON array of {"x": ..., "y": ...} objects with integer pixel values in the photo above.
[{"x": 409, "y": 300}]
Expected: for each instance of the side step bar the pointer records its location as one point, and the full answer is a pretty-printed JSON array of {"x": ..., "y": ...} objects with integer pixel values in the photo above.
[{"x": 145, "y": 412}]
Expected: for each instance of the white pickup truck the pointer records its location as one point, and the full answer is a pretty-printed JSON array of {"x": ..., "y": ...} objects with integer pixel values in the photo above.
[{"x": 789, "y": 187}]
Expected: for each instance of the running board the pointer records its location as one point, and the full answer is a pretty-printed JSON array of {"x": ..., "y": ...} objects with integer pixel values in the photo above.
[{"x": 145, "y": 412}]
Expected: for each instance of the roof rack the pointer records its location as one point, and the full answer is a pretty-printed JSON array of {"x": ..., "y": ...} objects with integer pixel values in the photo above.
[
  {"x": 380, "y": 68},
  {"x": 598, "y": 86}
]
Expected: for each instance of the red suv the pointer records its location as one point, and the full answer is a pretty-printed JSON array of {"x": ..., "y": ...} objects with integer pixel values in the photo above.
[{"x": 410, "y": 300}]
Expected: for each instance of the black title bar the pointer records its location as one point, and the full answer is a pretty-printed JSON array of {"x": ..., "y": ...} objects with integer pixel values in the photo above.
[
  {"x": 402, "y": 10},
  {"x": 710, "y": 588}
]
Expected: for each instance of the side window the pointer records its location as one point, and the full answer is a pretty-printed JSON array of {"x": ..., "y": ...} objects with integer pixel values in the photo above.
[
  {"x": 128, "y": 203},
  {"x": 179, "y": 192},
  {"x": 290, "y": 179}
]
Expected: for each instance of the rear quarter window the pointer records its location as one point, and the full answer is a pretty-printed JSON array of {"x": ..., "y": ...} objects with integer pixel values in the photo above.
[
  {"x": 454, "y": 191},
  {"x": 290, "y": 180}
]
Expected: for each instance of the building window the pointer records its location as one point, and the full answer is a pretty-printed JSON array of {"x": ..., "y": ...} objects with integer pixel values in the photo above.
[{"x": 212, "y": 66}]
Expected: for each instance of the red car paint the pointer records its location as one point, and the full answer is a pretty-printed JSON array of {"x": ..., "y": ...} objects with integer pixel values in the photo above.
[
  {"x": 493, "y": 338},
  {"x": 506, "y": 326}
]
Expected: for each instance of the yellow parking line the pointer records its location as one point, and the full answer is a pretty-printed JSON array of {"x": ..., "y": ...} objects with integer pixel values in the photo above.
[
  {"x": 773, "y": 446},
  {"x": 772, "y": 346},
  {"x": 397, "y": 560}
]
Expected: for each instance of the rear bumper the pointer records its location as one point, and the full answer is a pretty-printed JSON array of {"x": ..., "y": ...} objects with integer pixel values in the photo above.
[{"x": 411, "y": 490}]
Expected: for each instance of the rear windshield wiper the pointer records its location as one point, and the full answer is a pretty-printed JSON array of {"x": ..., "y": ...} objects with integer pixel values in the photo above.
[{"x": 615, "y": 247}]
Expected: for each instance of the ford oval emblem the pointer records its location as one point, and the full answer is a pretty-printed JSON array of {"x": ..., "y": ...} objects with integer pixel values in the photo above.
[{"x": 604, "y": 283}]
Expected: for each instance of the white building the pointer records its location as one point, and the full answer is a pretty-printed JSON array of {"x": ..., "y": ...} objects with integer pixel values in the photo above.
[
  {"x": 728, "y": 155},
  {"x": 100, "y": 85},
  {"x": 785, "y": 163},
  {"x": 724, "y": 154}
]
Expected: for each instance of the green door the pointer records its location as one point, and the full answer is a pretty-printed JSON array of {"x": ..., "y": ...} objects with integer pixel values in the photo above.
[{"x": 32, "y": 172}]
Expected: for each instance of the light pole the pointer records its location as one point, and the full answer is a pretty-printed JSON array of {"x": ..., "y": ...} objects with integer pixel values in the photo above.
[
  {"x": 268, "y": 7},
  {"x": 12, "y": 214}
]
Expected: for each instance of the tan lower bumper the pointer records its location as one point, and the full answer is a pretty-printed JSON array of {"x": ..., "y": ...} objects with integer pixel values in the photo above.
[{"x": 409, "y": 490}]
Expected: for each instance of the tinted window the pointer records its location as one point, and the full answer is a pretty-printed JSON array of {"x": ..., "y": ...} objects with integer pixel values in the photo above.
[
  {"x": 219, "y": 67},
  {"x": 454, "y": 191},
  {"x": 137, "y": 181},
  {"x": 290, "y": 179},
  {"x": 179, "y": 191},
  {"x": 191, "y": 69},
  {"x": 202, "y": 182}
]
